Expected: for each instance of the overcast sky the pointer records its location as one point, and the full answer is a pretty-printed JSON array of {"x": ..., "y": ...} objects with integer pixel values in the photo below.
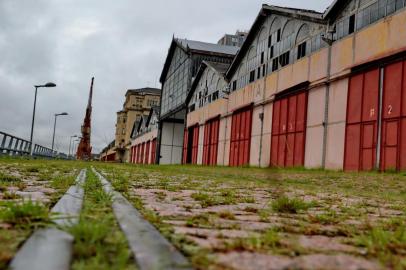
[{"x": 122, "y": 43}]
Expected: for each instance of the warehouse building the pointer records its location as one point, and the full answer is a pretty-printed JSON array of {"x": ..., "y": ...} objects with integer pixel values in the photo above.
[
  {"x": 144, "y": 138},
  {"x": 181, "y": 65},
  {"x": 307, "y": 89}
]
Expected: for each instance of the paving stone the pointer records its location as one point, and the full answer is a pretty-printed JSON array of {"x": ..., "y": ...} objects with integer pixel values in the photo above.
[
  {"x": 253, "y": 261},
  {"x": 325, "y": 244},
  {"x": 214, "y": 233},
  {"x": 333, "y": 262}
]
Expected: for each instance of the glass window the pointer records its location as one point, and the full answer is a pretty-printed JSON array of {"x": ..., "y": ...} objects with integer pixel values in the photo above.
[{"x": 301, "y": 50}]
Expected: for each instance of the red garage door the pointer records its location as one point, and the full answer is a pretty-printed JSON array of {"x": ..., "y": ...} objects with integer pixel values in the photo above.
[
  {"x": 210, "y": 143},
  {"x": 185, "y": 144},
  {"x": 363, "y": 112},
  {"x": 141, "y": 156},
  {"x": 393, "y": 150},
  {"x": 153, "y": 151},
  {"x": 147, "y": 146},
  {"x": 191, "y": 145},
  {"x": 288, "y": 130},
  {"x": 362, "y": 120},
  {"x": 132, "y": 154},
  {"x": 241, "y": 137}
]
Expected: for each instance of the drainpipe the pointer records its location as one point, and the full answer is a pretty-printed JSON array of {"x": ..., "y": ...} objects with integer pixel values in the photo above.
[
  {"x": 378, "y": 146},
  {"x": 225, "y": 130},
  {"x": 326, "y": 108},
  {"x": 261, "y": 117}
]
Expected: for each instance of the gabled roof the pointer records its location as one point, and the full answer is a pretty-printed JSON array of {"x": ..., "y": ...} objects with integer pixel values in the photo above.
[
  {"x": 220, "y": 68},
  {"x": 141, "y": 122},
  {"x": 196, "y": 47},
  {"x": 334, "y": 9},
  {"x": 154, "y": 111},
  {"x": 266, "y": 10},
  {"x": 134, "y": 129},
  {"x": 199, "y": 46}
]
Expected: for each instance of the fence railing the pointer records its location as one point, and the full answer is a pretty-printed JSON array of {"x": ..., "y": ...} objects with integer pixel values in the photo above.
[{"x": 13, "y": 146}]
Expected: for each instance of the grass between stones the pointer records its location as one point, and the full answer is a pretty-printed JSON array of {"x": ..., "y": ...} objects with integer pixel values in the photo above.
[
  {"x": 99, "y": 242},
  {"x": 19, "y": 215},
  {"x": 291, "y": 205}
]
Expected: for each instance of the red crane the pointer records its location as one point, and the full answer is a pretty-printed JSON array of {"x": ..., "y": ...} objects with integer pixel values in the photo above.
[{"x": 85, "y": 149}]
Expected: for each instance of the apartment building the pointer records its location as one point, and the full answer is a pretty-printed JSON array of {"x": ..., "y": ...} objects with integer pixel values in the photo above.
[{"x": 138, "y": 103}]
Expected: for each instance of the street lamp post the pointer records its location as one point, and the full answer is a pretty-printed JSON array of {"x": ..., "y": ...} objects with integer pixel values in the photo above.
[
  {"x": 33, "y": 113},
  {"x": 53, "y": 136},
  {"x": 75, "y": 145},
  {"x": 70, "y": 143}
]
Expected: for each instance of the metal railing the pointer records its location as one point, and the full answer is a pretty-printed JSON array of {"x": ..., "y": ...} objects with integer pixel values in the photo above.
[{"x": 13, "y": 146}]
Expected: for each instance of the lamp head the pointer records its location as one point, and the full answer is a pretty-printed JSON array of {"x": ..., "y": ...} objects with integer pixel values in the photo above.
[{"x": 49, "y": 84}]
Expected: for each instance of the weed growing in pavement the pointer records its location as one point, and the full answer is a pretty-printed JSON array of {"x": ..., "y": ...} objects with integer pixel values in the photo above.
[
  {"x": 200, "y": 221},
  {"x": 26, "y": 213},
  {"x": 211, "y": 199},
  {"x": 327, "y": 218},
  {"x": 8, "y": 179},
  {"x": 120, "y": 183},
  {"x": 32, "y": 169},
  {"x": 227, "y": 215},
  {"x": 384, "y": 244},
  {"x": 62, "y": 183},
  {"x": 284, "y": 204},
  {"x": 160, "y": 195},
  {"x": 266, "y": 241},
  {"x": 251, "y": 209},
  {"x": 10, "y": 196}
]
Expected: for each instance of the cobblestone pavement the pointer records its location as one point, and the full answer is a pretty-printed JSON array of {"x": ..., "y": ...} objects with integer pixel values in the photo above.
[
  {"x": 219, "y": 218},
  {"x": 225, "y": 218},
  {"x": 28, "y": 189}
]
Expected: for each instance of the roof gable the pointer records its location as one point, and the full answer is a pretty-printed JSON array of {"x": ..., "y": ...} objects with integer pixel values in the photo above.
[
  {"x": 195, "y": 47},
  {"x": 219, "y": 68},
  {"x": 266, "y": 10}
]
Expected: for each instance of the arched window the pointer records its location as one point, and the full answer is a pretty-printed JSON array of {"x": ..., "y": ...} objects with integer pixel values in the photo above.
[
  {"x": 288, "y": 36},
  {"x": 287, "y": 42},
  {"x": 242, "y": 76},
  {"x": 301, "y": 41},
  {"x": 251, "y": 64}
]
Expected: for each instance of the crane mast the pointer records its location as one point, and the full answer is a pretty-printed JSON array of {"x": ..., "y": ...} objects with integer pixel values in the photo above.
[{"x": 84, "y": 151}]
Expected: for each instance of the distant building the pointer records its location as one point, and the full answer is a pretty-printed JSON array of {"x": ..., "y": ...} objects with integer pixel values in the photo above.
[
  {"x": 233, "y": 40},
  {"x": 137, "y": 104},
  {"x": 181, "y": 65},
  {"x": 108, "y": 154}
]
